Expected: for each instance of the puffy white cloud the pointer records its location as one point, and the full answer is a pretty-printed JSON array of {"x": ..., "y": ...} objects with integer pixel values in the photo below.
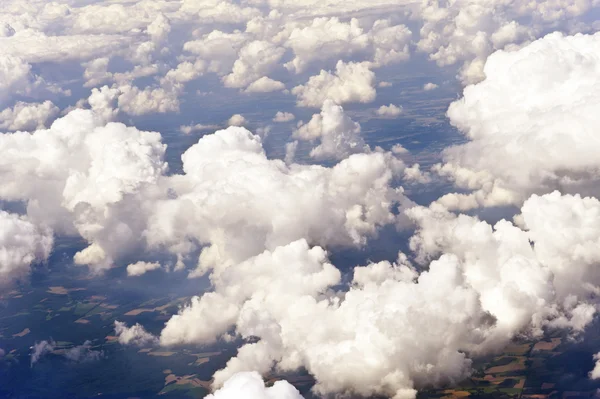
[
  {"x": 329, "y": 38},
  {"x": 238, "y": 203},
  {"x": 429, "y": 86},
  {"x": 281, "y": 117},
  {"x": 390, "y": 111},
  {"x": 77, "y": 175},
  {"x": 140, "y": 268},
  {"x": 134, "y": 335},
  {"x": 352, "y": 82},
  {"x": 264, "y": 85},
  {"x": 255, "y": 60},
  {"x": 468, "y": 32},
  {"x": 136, "y": 101},
  {"x": 595, "y": 373},
  {"x": 219, "y": 49},
  {"x": 416, "y": 175},
  {"x": 338, "y": 135},
  {"x": 15, "y": 77},
  {"x": 323, "y": 39},
  {"x": 26, "y": 116},
  {"x": 35, "y": 47},
  {"x": 534, "y": 118},
  {"x": 237, "y": 120},
  {"x": 186, "y": 71},
  {"x": 398, "y": 329},
  {"x": 250, "y": 385},
  {"x": 187, "y": 129},
  {"x": 218, "y": 11},
  {"x": 21, "y": 243}
]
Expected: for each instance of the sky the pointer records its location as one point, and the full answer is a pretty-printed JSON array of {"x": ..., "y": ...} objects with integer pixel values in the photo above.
[{"x": 228, "y": 139}]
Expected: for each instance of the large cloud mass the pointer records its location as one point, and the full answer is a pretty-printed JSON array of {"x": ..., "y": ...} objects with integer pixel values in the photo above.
[
  {"x": 398, "y": 329},
  {"x": 531, "y": 124},
  {"x": 21, "y": 243}
]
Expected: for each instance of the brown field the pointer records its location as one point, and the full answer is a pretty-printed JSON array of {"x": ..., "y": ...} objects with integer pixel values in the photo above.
[
  {"x": 450, "y": 393},
  {"x": 145, "y": 350},
  {"x": 163, "y": 354},
  {"x": 63, "y": 290},
  {"x": 520, "y": 384},
  {"x": 22, "y": 333},
  {"x": 187, "y": 379},
  {"x": 518, "y": 350},
  {"x": 82, "y": 321},
  {"x": 519, "y": 364},
  {"x": 136, "y": 312},
  {"x": 201, "y": 361},
  {"x": 111, "y": 338},
  {"x": 547, "y": 346}
]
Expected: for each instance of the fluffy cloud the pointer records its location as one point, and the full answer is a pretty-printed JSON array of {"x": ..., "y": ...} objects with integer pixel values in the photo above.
[
  {"x": 398, "y": 329},
  {"x": 429, "y": 86},
  {"x": 238, "y": 202},
  {"x": 255, "y": 60},
  {"x": 140, "y": 268},
  {"x": 534, "y": 117},
  {"x": 595, "y": 373},
  {"x": 237, "y": 120},
  {"x": 134, "y": 335},
  {"x": 264, "y": 85},
  {"x": 79, "y": 176},
  {"x": 390, "y": 111},
  {"x": 187, "y": 129},
  {"x": 338, "y": 135},
  {"x": 281, "y": 117},
  {"x": 329, "y": 38},
  {"x": 352, "y": 82},
  {"x": 24, "y": 116},
  {"x": 250, "y": 385},
  {"x": 21, "y": 243}
]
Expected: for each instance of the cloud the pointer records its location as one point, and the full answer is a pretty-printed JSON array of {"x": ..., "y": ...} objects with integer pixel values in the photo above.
[
  {"x": 39, "y": 349},
  {"x": 80, "y": 176},
  {"x": 331, "y": 39},
  {"x": 429, "y": 86},
  {"x": 24, "y": 116},
  {"x": 352, "y": 82},
  {"x": 255, "y": 60},
  {"x": 250, "y": 385},
  {"x": 282, "y": 117},
  {"x": 389, "y": 111},
  {"x": 21, "y": 244},
  {"x": 534, "y": 117},
  {"x": 264, "y": 85},
  {"x": 187, "y": 129},
  {"x": 134, "y": 335},
  {"x": 595, "y": 373},
  {"x": 237, "y": 120},
  {"x": 338, "y": 135},
  {"x": 140, "y": 268},
  {"x": 83, "y": 353},
  {"x": 236, "y": 202},
  {"x": 480, "y": 286}
]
